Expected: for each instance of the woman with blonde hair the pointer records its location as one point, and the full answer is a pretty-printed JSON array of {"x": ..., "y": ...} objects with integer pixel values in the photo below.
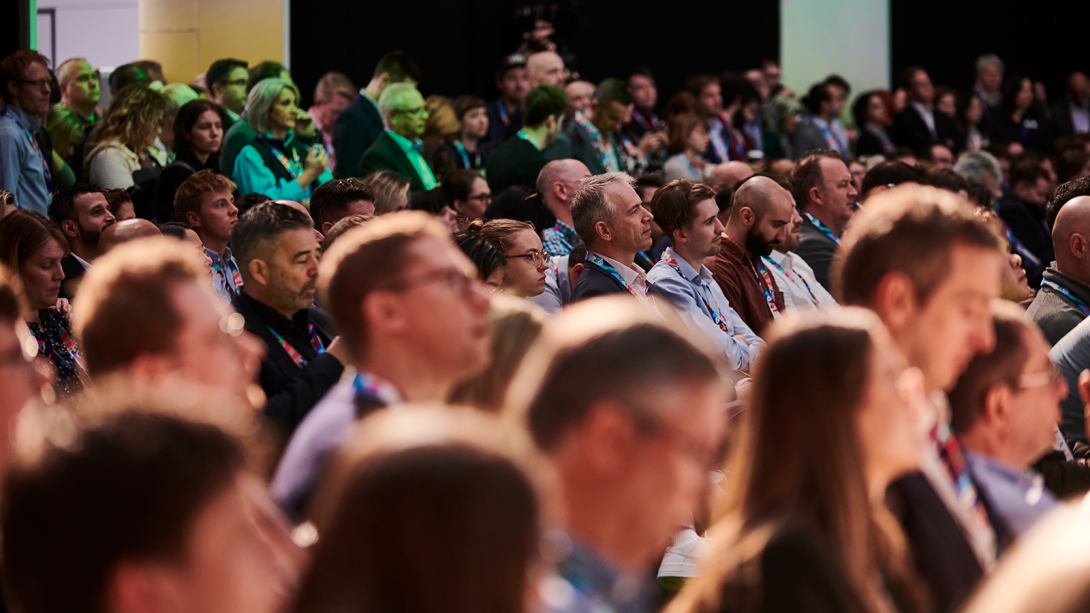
[
  {"x": 121, "y": 143},
  {"x": 803, "y": 525},
  {"x": 391, "y": 191}
]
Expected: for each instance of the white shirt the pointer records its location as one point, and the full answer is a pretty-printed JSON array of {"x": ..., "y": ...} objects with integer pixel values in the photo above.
[
  {"x": 633, "y": 276},
  {"x": 796, "y": 280},
  {"x": 928, "y": 115}
]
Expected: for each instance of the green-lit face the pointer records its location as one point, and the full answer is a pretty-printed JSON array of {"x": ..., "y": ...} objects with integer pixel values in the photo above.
[{"x": 408, "y": 116}]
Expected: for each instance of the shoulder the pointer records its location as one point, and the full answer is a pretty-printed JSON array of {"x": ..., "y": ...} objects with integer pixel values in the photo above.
[{"x": 665, "y": 279}]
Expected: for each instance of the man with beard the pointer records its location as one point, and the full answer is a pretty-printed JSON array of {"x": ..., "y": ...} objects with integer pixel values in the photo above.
[
  {"x": 81, "y": 212},
  {"x": 760, "y": 217},
  {"x": 687, "y": 213},
  {"x": 277, "y": 254},
  {"x": 792, "y": 274}
]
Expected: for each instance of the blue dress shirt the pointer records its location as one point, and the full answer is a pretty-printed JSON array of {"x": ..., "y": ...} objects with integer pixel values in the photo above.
[{"x": 22, "y": 169}]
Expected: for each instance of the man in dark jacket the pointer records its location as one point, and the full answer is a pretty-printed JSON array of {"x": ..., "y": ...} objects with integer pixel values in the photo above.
[
  {"x": 399, "y": 148},
  {"x": 1022, "y": 209},
  {"x": 920, "y": 124},
  {"x": 277, "y": 253},
  {"x": 519, "y": 160},
  {"x": 823, "y": 191},
  {"x": 359, "y": 125},
  {"x": 1064, "y": 299}
]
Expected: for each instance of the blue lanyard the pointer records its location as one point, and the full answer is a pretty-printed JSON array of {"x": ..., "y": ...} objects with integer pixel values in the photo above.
[
  {"x": 465, "y": 157},
  {"x": 821, "y": 226},
  {"x": 1063, "y": 290}
]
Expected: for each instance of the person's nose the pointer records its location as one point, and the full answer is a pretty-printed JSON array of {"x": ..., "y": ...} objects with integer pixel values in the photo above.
[
  {"x": 1016, "y": 261},
  {"x": 110, "y": 217}
]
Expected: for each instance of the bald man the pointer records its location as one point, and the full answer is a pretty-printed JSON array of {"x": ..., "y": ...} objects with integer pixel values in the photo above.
[
  {"x": 545, "y": 68},
  {"x": 728, "y": 175},
  {"x": 556, "y": 184},
  {"x": 1064, "y": 298},
  {"x": 125, "y": 231},
  {"x": 762, "y": 215}
]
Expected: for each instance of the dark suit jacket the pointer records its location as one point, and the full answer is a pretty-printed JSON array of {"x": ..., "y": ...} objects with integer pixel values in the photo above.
[
  {"x": 386, "y": 154},
  {"x": 1027, "y": 223},
  {"x": 817, "y": 250},
  {"x": 594, "y": 281},
  {"x": 806, "y": 138},
  {"x": 944, "y": 558},
  {"x": 356, "y": 129},
  {"x": 291, "y": 391},
  {"x": 1061, "y": 117},
  {"x": 869, "y": 144},
  {"x": 910, "y": 130},
  {"x": 498, "y": 132},
  {"x": 73, "y": 274},
  {"x": 515, "y": 162}
]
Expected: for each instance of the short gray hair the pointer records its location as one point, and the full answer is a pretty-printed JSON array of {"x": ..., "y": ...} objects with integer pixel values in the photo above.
[
  {"x": 261, "y": 100},
  {"x": 591, "y": 204},
  {"x": 973, "y": 164},
  {"x": 989, "y": 58},
  {"x": 386, "y": 100}
]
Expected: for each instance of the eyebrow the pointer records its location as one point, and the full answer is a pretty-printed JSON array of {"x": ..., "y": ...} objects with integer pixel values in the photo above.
[{"x": 304, "y": 252}]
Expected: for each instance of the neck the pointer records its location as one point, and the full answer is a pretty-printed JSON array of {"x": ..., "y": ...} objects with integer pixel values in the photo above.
[
  {"x": 374, "y": 88},
  {"x": 87, "y": 254},
  {"x": 30, "y": 315},
  {"x": 561, "y": 210},
  {"x": 645, "y": 112},
  {"x": 215, "y": 244},
  {"x": 469, "y": 142},
  {"x": 819, "y": 215},
  {"x": 692, "y": 154},
  {"x": 828, "y": 117},
  {"x": 85, "y": 111},
  {"x": 695, "y": 260},
  {"x": 537, "y": 135},
  {"x": 406, "y": 370},
  {"x": 278, "y": 133},
  {"x": 993, "y": 445},
  {"x": 737, "y": 233},
  {"x": 262, "y": 294},
  {"x": 200, "y": 155},
  {"x": 511, "y": 105},
  {"x": 614, "y": 252}
]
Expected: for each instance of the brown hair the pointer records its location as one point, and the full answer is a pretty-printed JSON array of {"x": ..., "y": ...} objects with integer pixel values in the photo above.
[
  {"x": 115, "y": 198},
  {"x": 24, "y": 232},
  {"x": 1001, "y": 365},
  {"x": 674, "y": 205},
  {"x": 796, "y": 463},
  {"x": 387, "y": 185},
  {"x": 14, "y": 66},
  {"x": 126, "y": 306},
  {"x": 367, "y": 259},
  {"x": 498, "y": 232},
  {"x": 465, "y": 104},
  {"x": 191, "y": 192},
  {"x": 330, "y": 200},
  {"x": 807, "y": 174},
  {"x": 342, "y": 226},
  {"x": 910, "y": 230},
  {"x": 134, "y": 114},
  {"x": 457, "y": 527},
  {"x": 681, "y": 126}
]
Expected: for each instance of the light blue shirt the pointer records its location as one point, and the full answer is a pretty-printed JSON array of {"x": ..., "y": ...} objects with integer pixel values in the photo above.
[
  {"x": 1019, "y": 496},
  {"x": 254, "y": 177},
  {"x": 223, "y": 269},
  {"x": 689, "y": 294},
  {"x": 1072, "y": 355},
  {"x": 21, "y": 169}
]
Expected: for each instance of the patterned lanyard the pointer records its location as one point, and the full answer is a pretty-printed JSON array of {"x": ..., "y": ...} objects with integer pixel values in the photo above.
[
  {"x": 824, "y": 230},
  {"x": 369, "y": 386},
  {"x": 647, "y": 123},
  {"x": 293, "y": 353},
  {"x": 465, "y": 157},
  {"x": 1063, "y": 290},
  {"x": 764, "y": 278},
  {"x": 603, "y": 146},
  {"x": 611, "y": 271},
  {"x": 236, "y": 276},
  {"x": 287, "y": 164},
  {"x": 45, "y": 166},
  {"x": 502, "y": 108},
  {"x": 792, "y": 278},
  {"x": 717, "y": 317},
  {"x": 734, "y": 144},
  {"x": 958, "y": 469}
]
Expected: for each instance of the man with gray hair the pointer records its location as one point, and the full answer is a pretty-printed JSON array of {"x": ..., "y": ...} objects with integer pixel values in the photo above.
[
  {"x": 399, "y": 148},
  {"x": 981, "y": 167},
  {"x": 556, "y": 185},
  {"x": 989, "y": 78},
  {"x": 614, "y": 225}
]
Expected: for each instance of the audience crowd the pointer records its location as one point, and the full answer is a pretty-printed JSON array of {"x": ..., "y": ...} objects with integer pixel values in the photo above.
[{"x": 569, "y": 349}]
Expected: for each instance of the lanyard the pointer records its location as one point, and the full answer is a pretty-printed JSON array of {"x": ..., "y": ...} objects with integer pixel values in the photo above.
[
  {"x": 824, "y": 230},
  {"x": 369, "y": 386},
  {"x": 648, "y": 123},
  {"x": 288, "y": 165},
  {"x": 717, "y": 316},
  {"x": 45, "y": 166},
  {"x": 236, "y": 276},
  {"x": 602, "y": 145},
  {"x": 792, "y": 278},
  {"x": 611, "y": 271},
  {"x": 1063, "y": 290},
  {"x": 761, "y": 272},
  {"x": 465, "y": 157},
  {"x": 526, "y": 137},
  {"x": 293, "y": 353},
  {"x": 502, "y": 109}
]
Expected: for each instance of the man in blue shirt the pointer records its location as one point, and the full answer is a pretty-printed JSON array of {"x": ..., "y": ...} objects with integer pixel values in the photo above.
[
  {"x": 24, "y": 170},
  {"x": 687, "y": 213},
  {"x": 1004, "y": 410}
]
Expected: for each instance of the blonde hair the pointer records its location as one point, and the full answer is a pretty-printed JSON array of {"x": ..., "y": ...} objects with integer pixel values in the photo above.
[
  {"x": 64, "y": 127},
  {"x": 134, "y": 116},
  {"x": 388, "y": 186}
]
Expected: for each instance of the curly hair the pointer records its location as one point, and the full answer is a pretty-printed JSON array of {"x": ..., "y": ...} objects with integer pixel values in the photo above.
[{"x": 134, "y": 116}]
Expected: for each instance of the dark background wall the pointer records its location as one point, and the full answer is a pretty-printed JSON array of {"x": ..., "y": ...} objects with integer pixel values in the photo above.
[{"x": 459, "y": 43}]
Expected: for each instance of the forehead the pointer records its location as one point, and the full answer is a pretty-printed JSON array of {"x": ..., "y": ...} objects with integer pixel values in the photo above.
[
  {"x": 833, "y": 168},
  {"x": 525, "y": 240},
  {"x": 622, "y": 195},
  {"x": 431, "y": 253},
  {"x": 210, "y": 197},
  {"x": 706, "y": 208},
  {"x": 973, "y": 272},
  {"x": 90, "y": 200},
  {"x": 36, "y": 68},
  {"x": 296, "y": 240},
  {"x": 409, "y": 97},
  {"x": 236, "y": 70},
  {"x": 285, "y": 94}
]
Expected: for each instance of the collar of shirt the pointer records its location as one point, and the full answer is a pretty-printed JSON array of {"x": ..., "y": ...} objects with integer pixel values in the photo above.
[
  {"x": 1023, "y": 477},
  {"x": 702, "y": 276},
  {"x": 567, "y": 232},
  {"x": 82, "y": 262},
  {"x": 408, "y": 146},
  {"x": 927, "y": 112},
  {"x": 23, "y": 120},
  {"x": 593, "y": 577},
  {"x": 632, "y": 276},
  {"x": 233, "y": 116},
  {"x": 783, "y": 259},
  {"x": 1077, "y": 288},
  {"x": 287, "y": 139},
  {"x": 216, "y": 258},
  {"x": 367, "y": 97},
  {"x": 292, "y": 330}
]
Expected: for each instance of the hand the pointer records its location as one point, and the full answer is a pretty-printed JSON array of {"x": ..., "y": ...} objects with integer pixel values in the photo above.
[
  {"x": 317, "y": 161},
  {"x": 338, "y": 350},
  {"x": 304, "y": 124},
  {"x": 1084, "y": 394},
  {"x": 650, "y": 143},
  {"x": 63, "y": 307}
]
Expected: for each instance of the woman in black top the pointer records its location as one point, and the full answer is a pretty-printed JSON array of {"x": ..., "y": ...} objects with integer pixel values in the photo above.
[
  {"x": 803, "y": 526},
  {"x": 465, "y": 151},
  {"x": 1022, "y": 118},
  {"x": 198, "y": 136},
  {"x": 873, "y": 120}
]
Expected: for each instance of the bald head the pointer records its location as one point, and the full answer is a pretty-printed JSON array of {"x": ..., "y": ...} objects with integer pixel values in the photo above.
[
  {"x": 761, "y": 215},
  {"x": 125, "y": 231},
  {"x": 1071, "y": 238},
  {"x": 761, "y": 194},
  {"x": 545, "y": 68},
  {"x": 729, "y": 174}
]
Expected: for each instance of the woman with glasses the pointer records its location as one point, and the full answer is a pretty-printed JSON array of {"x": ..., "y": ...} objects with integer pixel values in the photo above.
[
  {"x": 802, "y": 525},
  {"x": 32, "y": 247},
  {"x": 468, "y": 194},
  {"x": 276, "y": 163},
  {"x": 121, "y": 143},
  {"x": 524, "y": 273}
]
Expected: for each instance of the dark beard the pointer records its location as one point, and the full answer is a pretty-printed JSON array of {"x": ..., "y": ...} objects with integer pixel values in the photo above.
[
  {"x": 90, "y": 237},
  {"x": 756, "y": 245}
]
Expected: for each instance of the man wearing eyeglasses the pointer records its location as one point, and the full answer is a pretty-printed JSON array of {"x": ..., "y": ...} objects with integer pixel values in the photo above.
[
  {"x": 414, "y": 320},
  {"x": 24, "y": 169},
  {"x": 226, "y": 80},
  {"x": 1005, "y": 408},
  {"x": 400, "y": 148}
]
